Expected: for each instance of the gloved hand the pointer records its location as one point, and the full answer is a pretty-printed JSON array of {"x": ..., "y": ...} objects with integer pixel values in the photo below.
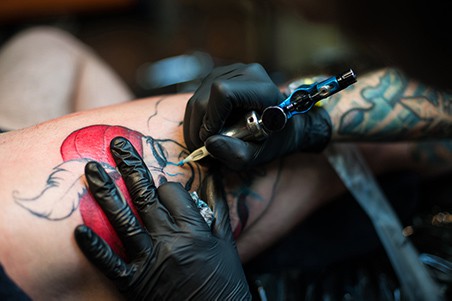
[
  {"x": 235, "y": 90},
  {"x": 174, "y": 255}
]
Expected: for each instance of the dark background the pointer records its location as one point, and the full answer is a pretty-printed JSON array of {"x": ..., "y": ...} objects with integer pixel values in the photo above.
[{"x": 132, "y": 35}]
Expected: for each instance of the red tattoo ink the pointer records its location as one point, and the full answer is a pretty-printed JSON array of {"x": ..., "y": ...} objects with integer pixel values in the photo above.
[{"x": 93, "y": 142}]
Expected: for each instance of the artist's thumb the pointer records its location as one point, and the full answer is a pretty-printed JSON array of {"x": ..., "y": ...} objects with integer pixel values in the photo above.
[
  {"x": 232, "y": 152},
  {"x": 212, "y": 192}
]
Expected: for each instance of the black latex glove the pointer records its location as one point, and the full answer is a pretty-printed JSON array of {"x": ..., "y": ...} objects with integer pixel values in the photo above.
[
  {"x": 235, "y": 90},
  {"x": 174, "y": 255}
]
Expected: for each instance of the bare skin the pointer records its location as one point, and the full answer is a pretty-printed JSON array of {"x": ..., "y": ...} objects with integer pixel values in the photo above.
[
  {"x": 384, "y": 106},
  {"x": 40, "y": 249},
  {"x": 37, "y": 248},
  {"x": 45, "y": 73}
]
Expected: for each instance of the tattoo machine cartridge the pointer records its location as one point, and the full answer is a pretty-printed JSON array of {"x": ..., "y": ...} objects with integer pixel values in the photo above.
[{"x": 273, "y": 119}]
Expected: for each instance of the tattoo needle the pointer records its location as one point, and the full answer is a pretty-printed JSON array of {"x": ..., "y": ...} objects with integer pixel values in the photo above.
[
  {"x": 195, "y": 156},
  {"x": 248, "y": 129},
  {"x": 256, "y": 128}
]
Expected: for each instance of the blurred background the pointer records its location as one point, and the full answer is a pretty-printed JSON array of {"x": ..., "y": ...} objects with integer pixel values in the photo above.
[{"x": 166, "y": 46}]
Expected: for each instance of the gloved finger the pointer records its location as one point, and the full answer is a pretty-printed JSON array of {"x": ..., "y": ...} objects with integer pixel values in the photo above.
[
  {"x": 194, "y": 114},
  {"x": 101, "y": 255},
  {"x": 187, "y": 125},
  {"x": 182, "y": 207},
  {"x": 232, "y": 152},
  {"x": 236, "y": 95},
  {"x": 212, "y": 192},
  {"x": 113, "y": 204},
  {"x": 226, "y": 72},
  {"x": 196, "y": 106},
  {"x": 248, "y": 72},
  {"x": 140, "y": 185}
]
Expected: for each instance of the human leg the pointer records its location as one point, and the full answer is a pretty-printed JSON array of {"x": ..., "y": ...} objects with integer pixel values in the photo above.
[
  {"x": 46, "y": 73},
  {"x": 44, "y": 196}
]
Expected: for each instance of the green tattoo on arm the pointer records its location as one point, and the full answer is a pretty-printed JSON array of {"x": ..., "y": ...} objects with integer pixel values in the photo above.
[{"x": 386, "y": 106}]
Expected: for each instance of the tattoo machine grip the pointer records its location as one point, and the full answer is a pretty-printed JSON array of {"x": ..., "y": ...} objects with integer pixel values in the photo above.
[{"x": 274, "y": 118}]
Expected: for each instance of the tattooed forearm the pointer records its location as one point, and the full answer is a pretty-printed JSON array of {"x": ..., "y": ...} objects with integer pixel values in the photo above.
[{"x": 386, "y": 106}]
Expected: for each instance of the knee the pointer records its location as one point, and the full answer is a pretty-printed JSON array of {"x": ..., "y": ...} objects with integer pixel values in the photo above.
[{"x": 41, "y": 38}]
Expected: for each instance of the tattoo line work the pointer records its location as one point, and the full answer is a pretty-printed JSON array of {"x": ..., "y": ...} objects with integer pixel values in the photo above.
[
  {"x": 66, "y": 191},
  {"x": 393, "y": 109}
]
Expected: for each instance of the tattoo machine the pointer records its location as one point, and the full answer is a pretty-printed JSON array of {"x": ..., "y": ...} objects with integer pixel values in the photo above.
[{"x": 255, "y": 128}]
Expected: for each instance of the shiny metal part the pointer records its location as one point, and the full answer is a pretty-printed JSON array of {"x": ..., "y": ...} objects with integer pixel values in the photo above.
[
  {"x": 301, "y": 100},
  {"x": 249, "y": 128},
  {"x": 204, "y": 209}
]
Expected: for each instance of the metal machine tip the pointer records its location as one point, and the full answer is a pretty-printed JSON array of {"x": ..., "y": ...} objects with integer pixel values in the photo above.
[{"x": 195, "y": 156}]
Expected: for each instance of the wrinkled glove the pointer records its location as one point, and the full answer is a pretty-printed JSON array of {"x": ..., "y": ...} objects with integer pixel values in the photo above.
[
  {"x": 174, "y": 255},
  {"x": 233, "y": 91}
]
